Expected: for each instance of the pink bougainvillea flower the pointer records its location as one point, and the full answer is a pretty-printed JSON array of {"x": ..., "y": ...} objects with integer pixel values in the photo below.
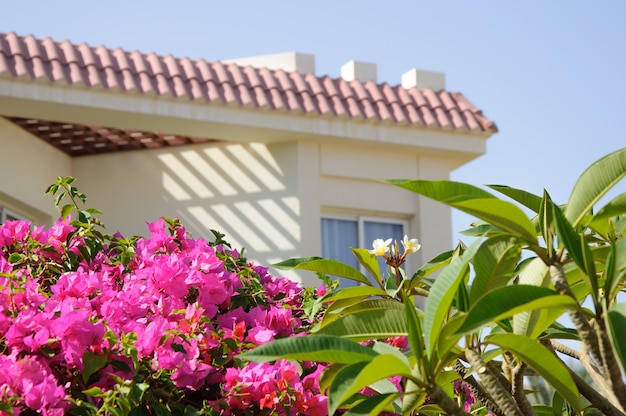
[{"x": 173, "y": 311}]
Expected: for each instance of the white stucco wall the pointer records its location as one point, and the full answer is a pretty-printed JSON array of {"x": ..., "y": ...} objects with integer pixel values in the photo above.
[
  {"x": 27, "y": 167},
  {"x": 267, "y": 198},
  {"x": 351, "y": 182},
  {"x": 250, "y": 192}
]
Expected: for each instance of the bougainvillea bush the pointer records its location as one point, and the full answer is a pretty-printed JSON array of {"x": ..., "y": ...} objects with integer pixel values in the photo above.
[{"x": 98, "y": 324}]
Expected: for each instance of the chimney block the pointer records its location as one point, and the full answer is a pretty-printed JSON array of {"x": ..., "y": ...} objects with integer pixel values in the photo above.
[
  {"x": 361, "y": 71},
  {"x": 303, "y": 63},
  {"x": 418, "y": 78}
]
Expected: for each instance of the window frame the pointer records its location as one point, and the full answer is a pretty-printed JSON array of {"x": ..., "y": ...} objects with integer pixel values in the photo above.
[
  {"x": 6, "y": 212},
  {"x": 361, "y": 220}
]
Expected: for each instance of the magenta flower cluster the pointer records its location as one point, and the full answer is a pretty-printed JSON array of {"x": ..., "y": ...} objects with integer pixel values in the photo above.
[{"x": 151, "y": 324}]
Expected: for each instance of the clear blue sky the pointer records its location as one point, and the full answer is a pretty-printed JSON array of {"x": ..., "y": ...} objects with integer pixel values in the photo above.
[{"x": 552, "y": 74}]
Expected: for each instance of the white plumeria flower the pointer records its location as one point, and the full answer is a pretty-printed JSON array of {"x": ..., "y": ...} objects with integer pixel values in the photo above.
[
  {"x": 380, "y": 246},
  {"x": 410, "y": 246}
]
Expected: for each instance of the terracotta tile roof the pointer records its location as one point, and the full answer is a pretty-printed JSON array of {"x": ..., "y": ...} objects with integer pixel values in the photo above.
[
  {"x": 80, "y": 140},
  {"x": 81, "y": 65}
]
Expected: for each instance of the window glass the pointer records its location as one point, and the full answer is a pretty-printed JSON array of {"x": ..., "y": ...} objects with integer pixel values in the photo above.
[
  {"x": 339, "y": 235},
  {"x": 373, "y": 230}
]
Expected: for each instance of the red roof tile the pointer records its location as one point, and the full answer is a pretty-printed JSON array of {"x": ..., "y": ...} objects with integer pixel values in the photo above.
[{"x": 214, "y": 82}]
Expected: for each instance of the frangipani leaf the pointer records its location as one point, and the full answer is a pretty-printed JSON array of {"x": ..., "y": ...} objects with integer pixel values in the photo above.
[
  {"x": 480, "y": 229},
  {"x": 290, "y": 264},
  {"x": 318, "y": 348},
  {"x": 531, "y": 201},
  {"x": 475, "y": 201},
  {"x": 510, "y": 300},
  {"x": 447, "y": 192},
  {"x": 368, "y": 261},
  {"x": 533, "y": 323},
  {"x": 368, "y": 324},
  {"x": 617, "y": 267},
  {"x": 540, "y": 359},
  {"x": 355, "y": 377},
  {"x": 502, "y": 214},
  {"x": 594, "y": 182},
  {"x": 326, "y": 266},
  {"x": 600, "y": 221},
  {"x": 373, "y": 406},
  {"x": 414, "y": 328},
  {"x": 441, "y": 295},
  {"x": 494, "y": 265},
  {"x": 578, "y": 249},
  {"x": 616, "y": 318},
  {"x": 432, "y": 266},
  {"x": 357, "y": 292},
  {"x": 376, "y": 304}
]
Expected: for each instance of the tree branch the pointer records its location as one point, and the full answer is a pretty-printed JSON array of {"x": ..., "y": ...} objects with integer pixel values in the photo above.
[
  {"x": 584, "y": 328},
  {"x": 479, "y": 393},
  {"x": 607, "y": 405},
  {"x": 444, "y": 401},
  {"x": 500, "y": 395},
  {"x": 517, "y": 389}
]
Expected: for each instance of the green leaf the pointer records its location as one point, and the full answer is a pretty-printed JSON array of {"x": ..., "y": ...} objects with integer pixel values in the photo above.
[
  {"x": 326, "y": 266},
  {"x": 546, "y": 221},
  {"x": 531, "y": 201},
  {"x": 94, "y": 392},
  {"x": 578, "y": 249},
  {"x": 540, "y": 359},
  {"x": 366, "y": 305},
  {"x": 594, "y": 182},
  {"x": 510, "y": 300},
  {"x": 15, "y": 258},
  {"x": 494, "y": 265},
  {"x": 616, "y": 318},
  {"x": 355, "y": 377},
  {"x": 92, "y": 363},
  {"x": 368, "y": 261},
  {"x": 6, "y": 408},
  {"x": 432, "y": 266},
  {"x": 369, "y": 324},
  {"x": 328, "y": 375},
  {"x": 616, "y": 266},
  {"x": 372, "y": 406},
  {"x": 502, "y": 214},
  {"x": 600, "y": 221},
  {"x": 290, "y": 264},
  {"x": 66, "y": 210},
  {"x": 345, "y": 298},
  {"x": 476, "y": 202},
  {"x": 311, "y": 348},
  {"x": 447, "y": 336},
  {"x": 480, "y": 229},
  {"x": 414, "y": 328},
  {"x": 533, "y": 323},
  {"x": 557, "y": 404},
  {"x": 447, "y": 192},
  {"x": 441, "y": 295}
]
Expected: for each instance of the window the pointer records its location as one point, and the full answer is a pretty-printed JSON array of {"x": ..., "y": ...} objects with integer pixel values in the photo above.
[
  {"x": 8, "y": 215},
  {"x": 339, "y": 234}
]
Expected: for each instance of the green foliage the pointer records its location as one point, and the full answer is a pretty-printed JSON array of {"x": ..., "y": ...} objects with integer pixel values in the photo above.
[{"x": 492, "y": 315}]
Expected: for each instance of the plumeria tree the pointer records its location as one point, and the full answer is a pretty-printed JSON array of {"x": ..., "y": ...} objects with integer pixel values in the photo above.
[
  {"x": 538, "y": 289},
  {"x": 97, "y": 324}
]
